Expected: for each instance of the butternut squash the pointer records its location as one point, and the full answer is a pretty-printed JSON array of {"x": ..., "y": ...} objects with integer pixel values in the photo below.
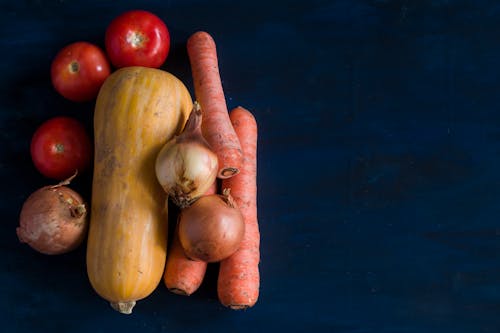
[{"x": 137, "y": 111}]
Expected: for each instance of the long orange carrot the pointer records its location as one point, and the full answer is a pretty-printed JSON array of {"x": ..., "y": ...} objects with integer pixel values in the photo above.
[
  {"x": 239, "y": 279},
  {"x": 216, "y": 127},
  {"x": 182, "y": 275}
]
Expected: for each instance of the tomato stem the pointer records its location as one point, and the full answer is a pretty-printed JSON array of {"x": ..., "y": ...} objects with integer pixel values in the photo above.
[
  {"x": 74, "y": 67},
  {"x": 59, "y": 147},
  {"x": 135, "y": 39}
]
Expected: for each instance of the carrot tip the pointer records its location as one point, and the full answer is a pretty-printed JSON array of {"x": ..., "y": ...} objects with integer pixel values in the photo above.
[
  {"x": 238, "y": 306},
  {"x": 228, "y": 172},
  {"x": 179, "y": 291}
]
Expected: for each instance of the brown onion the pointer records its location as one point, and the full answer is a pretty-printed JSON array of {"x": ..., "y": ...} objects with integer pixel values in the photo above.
[
  {"x": 211, "y": 229},
  {"x": 53, "y": 220},
  {"x": 186, "y": 167}
]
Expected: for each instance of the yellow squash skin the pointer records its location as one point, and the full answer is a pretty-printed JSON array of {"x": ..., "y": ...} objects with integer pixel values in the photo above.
[{"x": 137, "y": 110}]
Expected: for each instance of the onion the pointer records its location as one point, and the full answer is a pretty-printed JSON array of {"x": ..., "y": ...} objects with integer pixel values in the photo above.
[
  {"x": 186, "y": 167},
  {"x": 53, "y": 220},
  {"x": 211, "y": 229}
]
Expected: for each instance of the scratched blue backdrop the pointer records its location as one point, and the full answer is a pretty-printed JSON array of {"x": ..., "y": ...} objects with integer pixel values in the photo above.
[{"x": 379, "y": 153}]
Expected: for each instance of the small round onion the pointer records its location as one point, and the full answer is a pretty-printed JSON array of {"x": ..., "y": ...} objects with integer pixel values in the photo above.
[
  {"x": 211, "y": 229},
  {"x": 53, "y": 220}
]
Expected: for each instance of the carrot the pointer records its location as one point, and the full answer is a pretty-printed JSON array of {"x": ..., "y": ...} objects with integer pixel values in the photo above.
[
  {"x": 216, "y": 126},
  {"x": 239, "y": 279},
  {"x": 182, "y": 275}
]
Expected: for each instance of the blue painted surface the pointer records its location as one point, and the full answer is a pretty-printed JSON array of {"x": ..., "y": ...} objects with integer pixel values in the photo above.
[{"x": 378, "y": 176}]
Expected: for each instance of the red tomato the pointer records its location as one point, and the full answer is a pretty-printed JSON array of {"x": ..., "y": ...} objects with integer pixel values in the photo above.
[
  {"x": 59, "y": 147},
  {"x": 137, "y": 38},
  {"x": 79, "y": 70}
]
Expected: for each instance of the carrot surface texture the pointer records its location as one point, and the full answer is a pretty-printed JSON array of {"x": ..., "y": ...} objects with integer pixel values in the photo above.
[
  {"x": 239, "y": 279},
  {"x": 216, "y": 126},
  {"x": 183, "y": 276}
]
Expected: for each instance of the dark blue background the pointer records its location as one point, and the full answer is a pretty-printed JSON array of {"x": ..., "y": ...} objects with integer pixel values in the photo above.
[{"x": 378, "y": 178}]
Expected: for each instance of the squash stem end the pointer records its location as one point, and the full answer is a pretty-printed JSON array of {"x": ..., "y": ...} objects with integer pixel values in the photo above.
[{"x": 123, "y": 307}]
